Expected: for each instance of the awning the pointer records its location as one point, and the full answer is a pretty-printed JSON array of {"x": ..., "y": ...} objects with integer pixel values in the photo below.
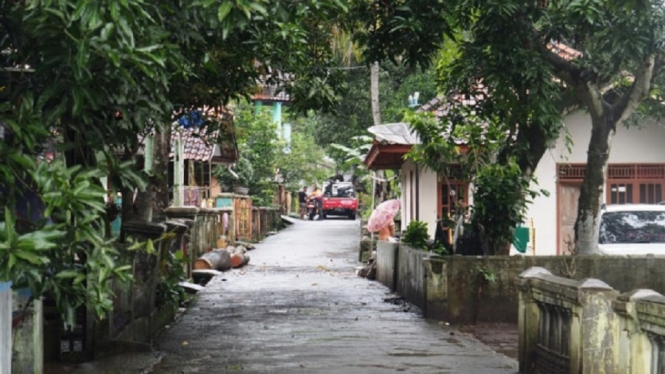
[{"x": 392, "y": 142}]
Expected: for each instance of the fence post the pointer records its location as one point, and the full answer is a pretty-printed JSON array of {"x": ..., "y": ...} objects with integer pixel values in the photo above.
[
  {"x": 5, "y": 327},
  {"x": 528, "y": 319}
]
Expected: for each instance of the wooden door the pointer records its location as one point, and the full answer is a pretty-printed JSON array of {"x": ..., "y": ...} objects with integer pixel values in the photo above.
[{"x": 568, "y": 198}]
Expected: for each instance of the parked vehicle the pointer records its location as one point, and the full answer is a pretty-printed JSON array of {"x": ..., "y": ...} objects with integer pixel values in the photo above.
[
  {"x": 339, "y": 199},
  {"x": 632, "y": 229}
]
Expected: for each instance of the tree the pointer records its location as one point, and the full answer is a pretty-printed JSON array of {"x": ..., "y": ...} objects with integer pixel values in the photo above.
[
  {"x": 352, "y": 116},
  {"x": 304, "y": 160},
  {"x": 95, "y": 78}
]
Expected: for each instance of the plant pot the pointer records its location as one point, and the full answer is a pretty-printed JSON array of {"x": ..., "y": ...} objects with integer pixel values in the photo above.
[{"x": 241, "y": 190}]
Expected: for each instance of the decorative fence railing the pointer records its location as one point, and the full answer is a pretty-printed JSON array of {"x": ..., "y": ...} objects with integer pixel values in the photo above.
[{"x": 569, "y": 326}]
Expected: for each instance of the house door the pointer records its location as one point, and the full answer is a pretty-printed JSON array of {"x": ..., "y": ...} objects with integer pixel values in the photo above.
[{"x": 568, "y": 197}]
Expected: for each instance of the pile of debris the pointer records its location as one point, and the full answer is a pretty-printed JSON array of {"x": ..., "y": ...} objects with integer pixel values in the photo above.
[
  {"x": 212, "y": 263},
  {"x": 223, "y": 259},
  {"x": 369, "y": 270}
]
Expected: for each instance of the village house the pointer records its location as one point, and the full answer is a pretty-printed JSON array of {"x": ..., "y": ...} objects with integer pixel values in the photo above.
[{"x": 635, "y": 174}]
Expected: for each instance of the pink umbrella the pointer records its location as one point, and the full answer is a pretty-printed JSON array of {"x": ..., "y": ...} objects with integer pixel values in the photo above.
[{"x": 382, "y": 215}]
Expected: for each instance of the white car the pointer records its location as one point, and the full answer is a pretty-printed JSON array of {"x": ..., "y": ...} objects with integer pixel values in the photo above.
[{"x": 632, "y": 229}]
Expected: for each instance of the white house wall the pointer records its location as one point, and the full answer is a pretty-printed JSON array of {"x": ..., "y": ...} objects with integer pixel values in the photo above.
[
  {"x": 426, "y": 198},
  {"x": 643, "y": 144}
]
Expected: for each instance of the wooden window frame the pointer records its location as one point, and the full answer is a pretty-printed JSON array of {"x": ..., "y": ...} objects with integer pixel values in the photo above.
[{"x": 460, "y": 184}]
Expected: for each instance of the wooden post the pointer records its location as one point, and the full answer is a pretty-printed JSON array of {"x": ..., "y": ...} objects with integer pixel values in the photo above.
[
  {"x": 5, "y": 327},
  {"x": 178, "y": 171},
  {"x": 532, "y": 237}
]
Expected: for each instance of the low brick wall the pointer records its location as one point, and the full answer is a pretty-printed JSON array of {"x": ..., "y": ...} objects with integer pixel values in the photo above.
[{"x": 457, "y": 289}]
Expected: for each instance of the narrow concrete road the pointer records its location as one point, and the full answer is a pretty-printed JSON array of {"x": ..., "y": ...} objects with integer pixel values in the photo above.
[{"x": 299, "y": 307}]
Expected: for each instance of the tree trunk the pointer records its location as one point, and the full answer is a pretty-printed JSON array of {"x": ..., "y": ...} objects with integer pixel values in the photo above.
[
  {"x": 239, "y": 260},
  {"x": 586, "y": 225},
  {"x": 376, "y": 115},
  {"x": 604, "y": 119},
  {"x": 374, "y": 91},
  {"x": 160, "y": 169},
  {"x": 215, "y": 260}
]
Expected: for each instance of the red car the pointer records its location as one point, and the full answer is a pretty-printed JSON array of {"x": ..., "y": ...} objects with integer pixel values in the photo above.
[{"x": 340, "y": 206}]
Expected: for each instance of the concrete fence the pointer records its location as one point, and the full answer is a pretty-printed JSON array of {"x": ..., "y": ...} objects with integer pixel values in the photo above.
[
  {"x": 469, "y": 289},
  {"x": 264, "y": 220},
  {"x": 586, "y": 326}
]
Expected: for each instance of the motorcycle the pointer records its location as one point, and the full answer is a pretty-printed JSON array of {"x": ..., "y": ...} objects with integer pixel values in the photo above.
[
  {"x": 338, "y": 189},
  {"x": 312, "y": 209}
]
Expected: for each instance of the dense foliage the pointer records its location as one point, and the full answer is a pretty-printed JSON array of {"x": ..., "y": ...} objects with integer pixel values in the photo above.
[
  {"x": 268, "y": 158},
  {"x": 90, "y": 80},
  {"x": 352, "y": 115}
]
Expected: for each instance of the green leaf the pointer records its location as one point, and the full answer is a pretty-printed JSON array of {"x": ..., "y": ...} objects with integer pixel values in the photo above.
[
  {"x": 66, "y": 274},
  {"x": 150, "y": 247},
  {"x": 41, "y": 240},
  {"x": 258, "y": 7},
  {"x": 224, "y": 10},
  {"x": 107, "y": 30},
  {"x": 12, "y": 261},
  {"x": 123, "y": 268},
  {"x": 31, "y": 257}
]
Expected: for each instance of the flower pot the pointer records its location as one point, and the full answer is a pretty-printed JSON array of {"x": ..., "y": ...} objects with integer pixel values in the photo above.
[{"x": 241, "y": 190}]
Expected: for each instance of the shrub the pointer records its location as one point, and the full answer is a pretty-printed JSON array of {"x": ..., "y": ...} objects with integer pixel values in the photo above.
[{"x": 416, "y": 235}]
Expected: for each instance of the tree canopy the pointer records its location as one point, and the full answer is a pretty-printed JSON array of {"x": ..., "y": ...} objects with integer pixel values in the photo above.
[{"x": 94, "y": 78}]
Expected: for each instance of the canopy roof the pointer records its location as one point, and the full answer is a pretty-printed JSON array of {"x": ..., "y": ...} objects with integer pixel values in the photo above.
[{"x": 392, "y": 142}]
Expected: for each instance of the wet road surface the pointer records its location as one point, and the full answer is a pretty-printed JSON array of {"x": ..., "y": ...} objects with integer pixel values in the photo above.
[{"x": 299, "y": 307}]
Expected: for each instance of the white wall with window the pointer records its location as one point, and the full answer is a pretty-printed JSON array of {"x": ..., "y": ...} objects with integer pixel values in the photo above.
[{"x": 635, "y": 174}]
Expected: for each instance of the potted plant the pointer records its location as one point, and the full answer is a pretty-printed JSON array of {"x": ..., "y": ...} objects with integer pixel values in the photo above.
[
  {"x": 225, "y": 178},
  {"x": 237, "y": 177},
  {"x": 245, "y": 172}
]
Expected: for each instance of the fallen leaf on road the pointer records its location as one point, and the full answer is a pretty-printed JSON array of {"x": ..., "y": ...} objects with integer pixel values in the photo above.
[
  {"x": 314, "y": 284},
  {"x": 322, "y": 268}
]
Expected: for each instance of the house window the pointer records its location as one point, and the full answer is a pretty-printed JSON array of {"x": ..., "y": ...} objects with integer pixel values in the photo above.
[
  {"x": 626, "y": 183},
  {"x": 452, "y": 195},
  {"x": 452, "y": 192},
  {"x": 635, "y": 183}
]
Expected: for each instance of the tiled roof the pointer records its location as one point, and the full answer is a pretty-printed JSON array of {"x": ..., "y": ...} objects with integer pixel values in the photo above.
[
  {"x": 439, "y": 106},
  {"x": 268, "y": 90},
  {"x": 199, "y": 145},
  {"x": 269, "y": 93}
]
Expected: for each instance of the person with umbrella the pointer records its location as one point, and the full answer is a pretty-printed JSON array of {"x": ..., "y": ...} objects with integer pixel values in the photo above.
[
  {"x": 382, "y": 220},
  {"x": 388, "y": 233}
]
